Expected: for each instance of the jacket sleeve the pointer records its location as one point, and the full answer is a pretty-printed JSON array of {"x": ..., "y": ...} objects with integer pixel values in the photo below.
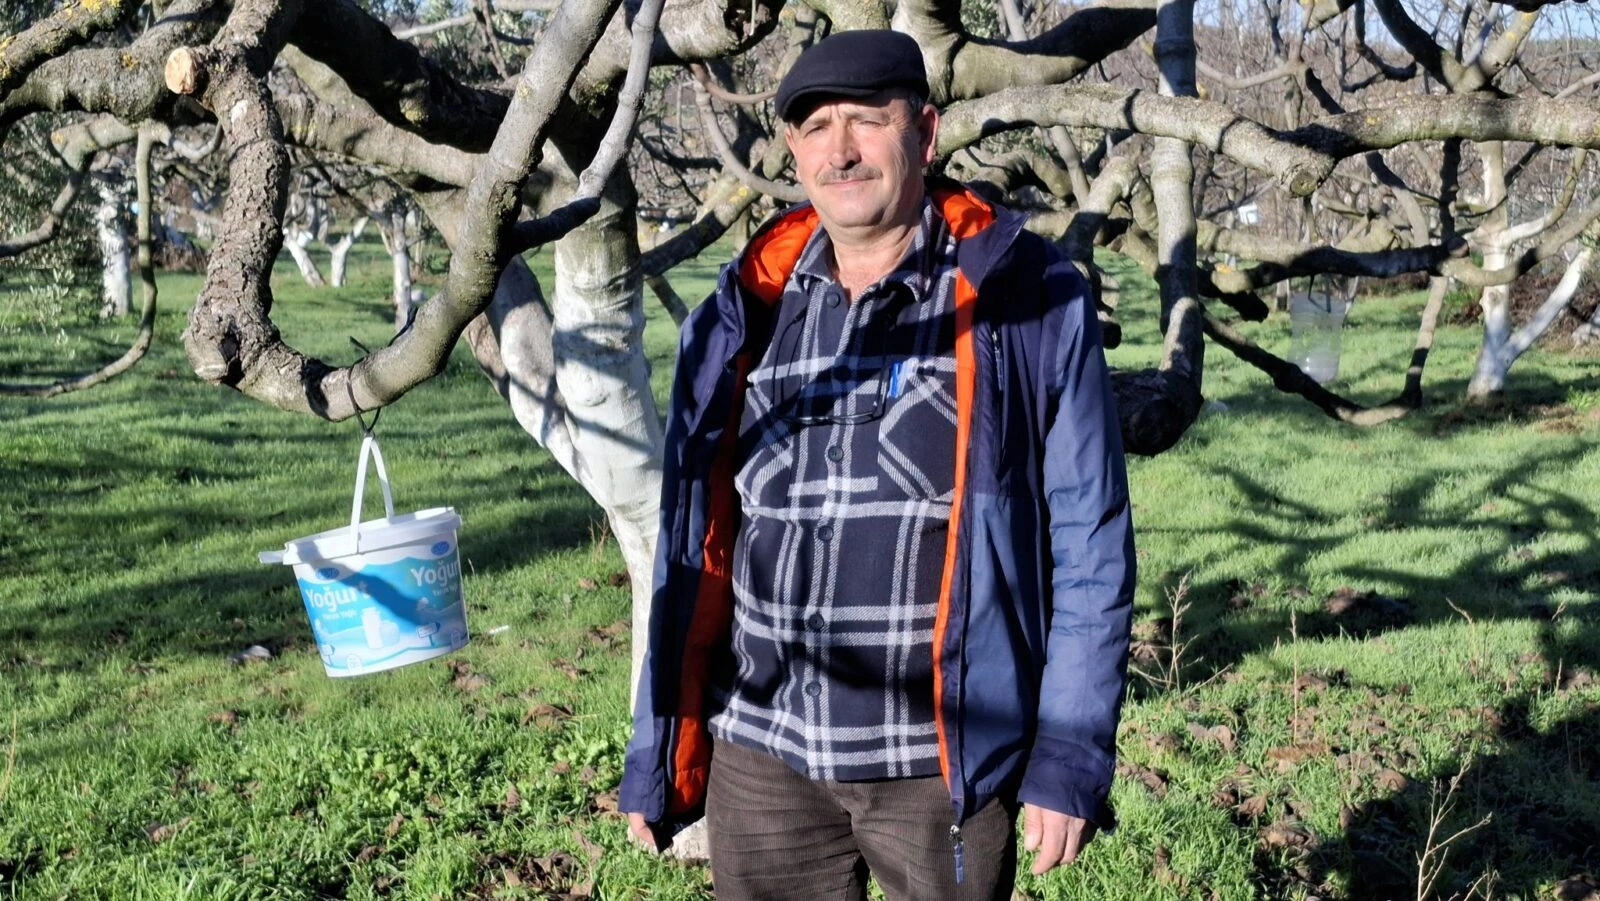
[
  {"x": 644, "y": 775},
  {"x": 1070, "y": 767}
]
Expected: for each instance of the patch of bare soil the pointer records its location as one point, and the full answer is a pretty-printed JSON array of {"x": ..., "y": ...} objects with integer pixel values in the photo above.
[{"x": 1528, "y": 294}]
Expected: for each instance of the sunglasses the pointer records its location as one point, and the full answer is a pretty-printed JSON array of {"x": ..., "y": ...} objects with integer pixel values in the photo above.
[{"x": 808, "y": 394}]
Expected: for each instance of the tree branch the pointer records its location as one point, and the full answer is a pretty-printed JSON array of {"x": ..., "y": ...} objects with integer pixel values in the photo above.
[
  {"x": 73, "y": 25},
  {"x": 1291, "y": 379},
  {"x": 405, "y": 88},
  {"x": 147, "y": 278},
  {"x": 730, "y": 159},
  {"x": 979, "y": 68},
  {"x": 125, "y": 82}
]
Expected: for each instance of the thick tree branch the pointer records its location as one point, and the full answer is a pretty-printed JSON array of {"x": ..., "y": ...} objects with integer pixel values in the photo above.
[
  {"x": 1301, "y": 159},
  {"x": 1420, "y": 44},
  {"x": 125, "y": 82},
  {"x": 689, "y": 31},
  {"x": 404, "y": 87},
  {"x": 73, "y": 25},
  {"x": 338, "y": 121},
  {"x": 973, "y": 68},
  {"x": 1299, "y": 168},
  {"x": 852, "y": 15}
]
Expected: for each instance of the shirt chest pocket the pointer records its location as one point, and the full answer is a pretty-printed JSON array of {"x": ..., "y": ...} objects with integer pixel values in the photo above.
[{"x": 916, "y": 441}]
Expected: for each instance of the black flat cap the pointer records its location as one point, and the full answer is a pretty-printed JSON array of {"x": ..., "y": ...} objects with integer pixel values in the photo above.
[{"x": 851, "y": 64}]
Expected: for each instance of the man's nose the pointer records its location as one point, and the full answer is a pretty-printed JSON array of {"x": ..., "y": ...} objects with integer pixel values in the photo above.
[{"x": 842, "y": 150}]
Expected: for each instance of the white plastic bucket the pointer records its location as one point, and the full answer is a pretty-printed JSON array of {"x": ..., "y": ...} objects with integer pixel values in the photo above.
[{"x": 383, "y": 593}]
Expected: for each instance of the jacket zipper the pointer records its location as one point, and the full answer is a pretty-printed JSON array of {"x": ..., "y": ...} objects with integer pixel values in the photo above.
[{"x": 956, "y": 847}]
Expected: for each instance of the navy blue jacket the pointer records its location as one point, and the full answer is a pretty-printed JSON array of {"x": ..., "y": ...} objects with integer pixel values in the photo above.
[{"x": 1031, "y": 636}]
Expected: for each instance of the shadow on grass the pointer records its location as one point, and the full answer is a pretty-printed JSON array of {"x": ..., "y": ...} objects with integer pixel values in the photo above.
[
  {"x": 1538, "y": 781},
  {"x": 166, "y": 602},
  {"x": 1524, "y": 817}
]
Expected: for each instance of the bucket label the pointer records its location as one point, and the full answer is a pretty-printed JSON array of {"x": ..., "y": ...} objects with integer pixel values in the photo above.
[{"x": 372, "y": 612}]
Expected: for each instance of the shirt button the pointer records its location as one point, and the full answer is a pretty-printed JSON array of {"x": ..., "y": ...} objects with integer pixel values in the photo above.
[
  {"x": 835, "y": 453},
  {"x": 813, "y": 689},
  {"x": 825, "y": 532},
  {"x": 833, "y": 296},
  {"x": 815, "y": 621}
]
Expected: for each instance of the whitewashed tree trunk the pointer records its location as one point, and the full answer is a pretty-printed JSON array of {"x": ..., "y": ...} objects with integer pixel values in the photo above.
[
  {"x": 1497, "y": 237},
  {"x": 1502, "y": 345},
  {"x": 1494, "y": 239},
  {"x": 295, "y": 240},
  {"x": 1590, "y": 330},
  {"x": 395, "y": 226},
  {"x": 339, "y": 264},
  {"x": 1489, "y": 373},
  {"x": 602, "y": 373},
  {"x": 116, "y": 250}
]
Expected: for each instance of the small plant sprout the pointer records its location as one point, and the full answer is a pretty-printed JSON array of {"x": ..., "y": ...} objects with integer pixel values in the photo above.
[
  {"x": 1294, "y": 686},
  {"x": 599, "y": 536},
  {"x": 11, "y": 760},
  {"x": 1436, "y": 846},
  {"x": 1169, "y": 663}
]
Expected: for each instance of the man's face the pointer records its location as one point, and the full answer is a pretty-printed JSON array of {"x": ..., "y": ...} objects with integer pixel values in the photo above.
[{"x": 860, "y": 161}]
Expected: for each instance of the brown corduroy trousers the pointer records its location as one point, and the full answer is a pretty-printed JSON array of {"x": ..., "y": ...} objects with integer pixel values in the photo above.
[{"x": 776, "y": 835}]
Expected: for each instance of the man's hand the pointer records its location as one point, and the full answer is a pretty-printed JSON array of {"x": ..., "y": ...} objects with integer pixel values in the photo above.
[
  {"x": 642, "y": 832},
  {"x": 1058, "y": 837}
]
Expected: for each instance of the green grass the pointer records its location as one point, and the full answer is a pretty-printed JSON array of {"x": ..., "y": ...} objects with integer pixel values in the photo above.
[{"x": 146, "y": 766}]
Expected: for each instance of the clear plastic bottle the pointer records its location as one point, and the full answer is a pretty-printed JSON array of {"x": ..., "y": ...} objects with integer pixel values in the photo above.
[{"x": 1317, "y": 319}]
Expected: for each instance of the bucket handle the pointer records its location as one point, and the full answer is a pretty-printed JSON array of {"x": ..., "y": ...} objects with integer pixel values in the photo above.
[{"x": 369, "y": 450}]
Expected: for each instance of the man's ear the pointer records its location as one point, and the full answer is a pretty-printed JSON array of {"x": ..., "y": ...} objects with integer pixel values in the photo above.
[{"x": 928, "y": 127}]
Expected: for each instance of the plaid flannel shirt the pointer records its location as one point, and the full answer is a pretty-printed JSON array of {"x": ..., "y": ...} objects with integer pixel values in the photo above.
[{"x": 847, "y": 450}]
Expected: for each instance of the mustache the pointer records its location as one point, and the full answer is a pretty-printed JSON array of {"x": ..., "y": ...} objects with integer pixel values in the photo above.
[{"x": 854, "y": 173}]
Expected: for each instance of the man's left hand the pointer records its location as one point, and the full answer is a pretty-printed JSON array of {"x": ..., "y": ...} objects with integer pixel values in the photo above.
[{"x": 1057, "y": 837}]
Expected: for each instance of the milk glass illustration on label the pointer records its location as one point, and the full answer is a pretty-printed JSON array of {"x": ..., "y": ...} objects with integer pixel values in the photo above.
[{"x": 393, "y": 609}]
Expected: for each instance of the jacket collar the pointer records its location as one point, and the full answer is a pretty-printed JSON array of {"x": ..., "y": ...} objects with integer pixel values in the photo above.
[{"x": 983, "y": 232}]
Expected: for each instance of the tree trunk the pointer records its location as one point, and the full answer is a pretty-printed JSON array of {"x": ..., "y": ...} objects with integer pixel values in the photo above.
[
  {"x": 116, "y": 251},
  {"x": 341, "y": 252},
  {"x": 1489, "y": 374},
  {"x": 1502, "y": 346},
  {"x": 1494, "y": 240},
  {"x": 295, "y": 241},
  {"x": 397, "y": 240},
  {"x": 576, "y": 378},
  {"x": 602, "y": 373}
]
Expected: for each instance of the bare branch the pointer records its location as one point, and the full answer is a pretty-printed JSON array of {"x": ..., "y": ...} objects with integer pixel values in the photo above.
[
  {"x": 675, "y": 307},
  {"x": 147, "y": 278},
  {"x": 710, "y": 83},
  {"x": 730, "y": 159},
  {"x": 1290, "y": 379},
  {"x": 613, "y": 147},
  {"x": 417, "y": 31},
  {"x": 1293, "y": 69}
]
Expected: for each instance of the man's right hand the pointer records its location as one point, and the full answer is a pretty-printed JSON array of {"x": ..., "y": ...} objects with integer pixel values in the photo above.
[{"x": 643, "y": 832}]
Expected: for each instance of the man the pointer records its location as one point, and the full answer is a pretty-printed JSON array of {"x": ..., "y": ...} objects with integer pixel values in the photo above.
[{"x": 895, "y": 568}]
